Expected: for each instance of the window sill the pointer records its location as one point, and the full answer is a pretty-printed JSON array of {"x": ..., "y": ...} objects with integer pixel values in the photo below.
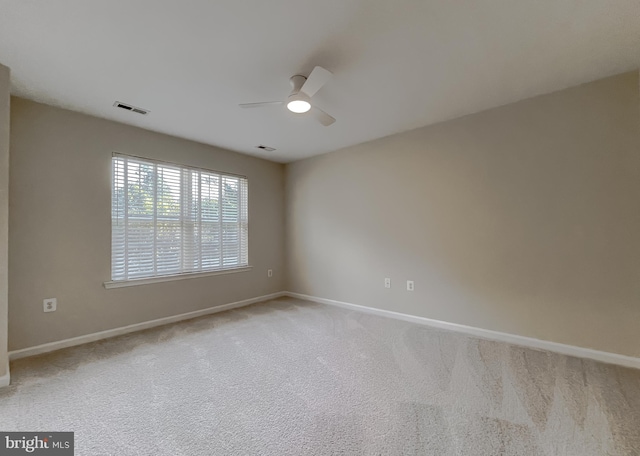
[{"x": 171, "y": 278}]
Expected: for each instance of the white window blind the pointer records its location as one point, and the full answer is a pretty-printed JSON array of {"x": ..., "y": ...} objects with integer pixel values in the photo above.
[{"x": 169, "y": 219}]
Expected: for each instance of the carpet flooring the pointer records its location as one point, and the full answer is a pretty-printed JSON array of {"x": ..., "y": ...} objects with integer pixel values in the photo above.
[{"x": 289, "y": 377}]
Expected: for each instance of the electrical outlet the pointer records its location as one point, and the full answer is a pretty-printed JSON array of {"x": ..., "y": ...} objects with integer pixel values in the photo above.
[
  {"x": 50, "y": 304},
  {"x": 387, "y": 283},
  {"x": 409, "y": 285},
  {"x": 269, "y": 272}
]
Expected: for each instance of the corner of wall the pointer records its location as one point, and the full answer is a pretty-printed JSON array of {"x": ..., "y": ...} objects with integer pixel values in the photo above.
[
  {"x": 285, "y": 224},
  {"x": 5, "y": 99},
  {"x": 5, "y": 380}
]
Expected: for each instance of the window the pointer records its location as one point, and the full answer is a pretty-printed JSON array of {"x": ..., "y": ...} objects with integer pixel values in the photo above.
[{"x": 169, "y": 219}]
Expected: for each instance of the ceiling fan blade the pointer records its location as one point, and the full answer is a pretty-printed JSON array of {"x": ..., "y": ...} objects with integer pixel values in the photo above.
[
  {"x": 322, "y": 117},
  {"x": 318, "y": 77},
  {"x": 260, "y": 105}
]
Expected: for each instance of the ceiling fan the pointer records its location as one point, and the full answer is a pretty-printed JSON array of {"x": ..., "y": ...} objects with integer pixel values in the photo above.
[{"x": 299, "y": 100}]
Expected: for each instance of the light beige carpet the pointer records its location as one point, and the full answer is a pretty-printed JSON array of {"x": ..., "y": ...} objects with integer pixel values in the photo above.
[{"x": 290, "y": 377}]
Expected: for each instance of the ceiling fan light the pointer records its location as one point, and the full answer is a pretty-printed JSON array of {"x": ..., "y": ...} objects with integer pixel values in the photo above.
[{"x": 298, "y": 106}]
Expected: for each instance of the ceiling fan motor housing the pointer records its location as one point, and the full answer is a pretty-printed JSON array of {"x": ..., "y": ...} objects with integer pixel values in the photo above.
[
  {"x": 298, "y": 102},
  {"x": 297, "y": 82}
]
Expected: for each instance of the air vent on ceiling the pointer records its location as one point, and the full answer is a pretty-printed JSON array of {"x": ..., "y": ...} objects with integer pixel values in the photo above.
[
  {"x": 267, "y": 148},
  {"x": 121, "y": 105}
]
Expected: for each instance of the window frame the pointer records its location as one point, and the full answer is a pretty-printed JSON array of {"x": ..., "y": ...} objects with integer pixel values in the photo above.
[{"x": 125, "y": 282}]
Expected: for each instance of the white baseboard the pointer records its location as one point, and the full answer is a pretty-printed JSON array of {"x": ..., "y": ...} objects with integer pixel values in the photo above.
[
  {"x": 52, "y": 346},
  {"x": 6, "y": 378},
  {"x": 571, "y": 350}
]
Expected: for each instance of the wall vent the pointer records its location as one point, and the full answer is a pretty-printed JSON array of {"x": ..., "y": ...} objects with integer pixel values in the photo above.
[
  {"x": 267, "y": 148},
  {"x": 119, "y": 104}
]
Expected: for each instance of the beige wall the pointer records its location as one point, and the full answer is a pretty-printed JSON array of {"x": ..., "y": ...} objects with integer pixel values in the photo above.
[
  {"x": 523, "y": 219},
  {"x": 60, "y": 226},
  {"x": 4, "y": 214}
]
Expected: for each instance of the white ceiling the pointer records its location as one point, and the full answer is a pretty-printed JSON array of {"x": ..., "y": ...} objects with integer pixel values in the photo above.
[{"x": 397, "y": 64}]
